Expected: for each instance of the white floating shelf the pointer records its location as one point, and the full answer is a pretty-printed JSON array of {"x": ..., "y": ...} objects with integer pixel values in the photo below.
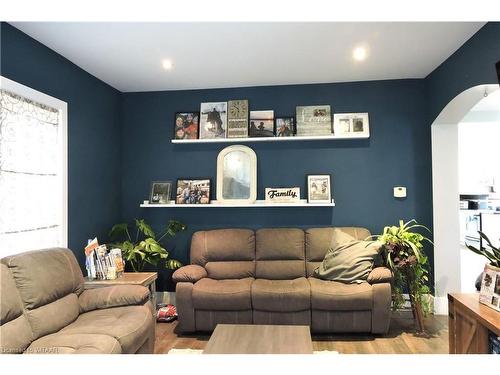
[
  {"x": 258, "y": 203},
  {"x": 269, "y": 139}
]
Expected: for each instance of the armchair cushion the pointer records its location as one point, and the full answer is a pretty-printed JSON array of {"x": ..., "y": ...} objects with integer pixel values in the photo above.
[
  {"x": 112, "y": 296},
  {"x": 190, "y": 273},
  {"x": 380, "y": 275}
]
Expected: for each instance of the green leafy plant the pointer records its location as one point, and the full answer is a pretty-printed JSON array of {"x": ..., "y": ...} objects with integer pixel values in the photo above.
[
  {"x": 146, "y": 249},
  {"x": 404, "y": 255},
  {"x": 492, "y": 254}
]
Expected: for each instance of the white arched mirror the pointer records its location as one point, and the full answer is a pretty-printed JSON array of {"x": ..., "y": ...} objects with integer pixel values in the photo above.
[{"x": 237, "y": 175}]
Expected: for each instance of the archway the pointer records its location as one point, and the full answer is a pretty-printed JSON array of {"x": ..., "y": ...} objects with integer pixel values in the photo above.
[{"x": 445, "y": 180}]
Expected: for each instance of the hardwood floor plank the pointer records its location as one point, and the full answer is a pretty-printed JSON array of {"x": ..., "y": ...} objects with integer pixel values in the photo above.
[{"x": 401, "y": 338}]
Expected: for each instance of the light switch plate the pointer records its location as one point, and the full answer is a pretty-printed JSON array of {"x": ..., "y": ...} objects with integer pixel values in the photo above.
[{"x": 399, "y": 192}]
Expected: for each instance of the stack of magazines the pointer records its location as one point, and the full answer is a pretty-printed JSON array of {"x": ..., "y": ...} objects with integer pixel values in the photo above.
[{"x": 102, "y": 264}]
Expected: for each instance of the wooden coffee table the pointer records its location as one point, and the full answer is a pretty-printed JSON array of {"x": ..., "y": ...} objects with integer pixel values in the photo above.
[{"x": 259, "y": 339}]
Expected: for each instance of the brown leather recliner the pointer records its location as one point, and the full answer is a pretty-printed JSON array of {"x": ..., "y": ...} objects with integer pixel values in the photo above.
[
  {"x": 45, "y": 309},
  {"x": 238, "y": 276}
]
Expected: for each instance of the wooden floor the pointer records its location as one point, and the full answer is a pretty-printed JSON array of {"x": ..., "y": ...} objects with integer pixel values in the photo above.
[{"x": 401, "y": 338}]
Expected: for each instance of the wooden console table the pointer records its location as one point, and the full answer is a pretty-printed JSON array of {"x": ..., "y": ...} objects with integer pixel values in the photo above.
[
  {"x": 469, "y": 323},
  {"x": 146, "y": 279}
]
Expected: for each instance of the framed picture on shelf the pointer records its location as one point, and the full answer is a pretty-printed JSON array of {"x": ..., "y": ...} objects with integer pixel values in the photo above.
[
  {"x": 314, "y": 120},
  {"x": 160, "y": 192},
  {"x": 261, "y": 124},
  {"x": 319, "y": 188},
  {"x": 193, "y": 191},
  {"x": 213, "y": 120},
  {"x": 237, "y": 119},
  {"x": 351, "y": 124},
  {"x": 186, "y": 125},
  {"x": 284, "y": 127}
]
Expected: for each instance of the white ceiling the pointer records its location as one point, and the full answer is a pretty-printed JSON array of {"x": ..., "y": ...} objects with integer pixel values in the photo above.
[{"x": 212, "y": 55}]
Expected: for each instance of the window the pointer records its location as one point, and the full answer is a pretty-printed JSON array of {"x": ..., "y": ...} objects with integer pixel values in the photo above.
[{"x": 33, "y": 163}]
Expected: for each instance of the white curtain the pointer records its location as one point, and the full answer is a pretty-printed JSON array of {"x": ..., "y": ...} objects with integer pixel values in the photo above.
[{"x": 30, "y": 175}]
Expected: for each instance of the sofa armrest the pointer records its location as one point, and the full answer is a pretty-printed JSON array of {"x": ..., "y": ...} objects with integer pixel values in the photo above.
[
  {"x": 380, "y": 275},
  {"x": 190, "y": 273},
  {"x": 112, "y": 296}
]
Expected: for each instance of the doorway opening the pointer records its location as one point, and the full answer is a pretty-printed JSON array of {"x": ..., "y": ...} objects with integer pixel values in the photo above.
[{"x": 452, "y": 146}]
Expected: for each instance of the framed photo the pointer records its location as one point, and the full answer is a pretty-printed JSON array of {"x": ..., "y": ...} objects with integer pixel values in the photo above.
[
  {"x": 319, "y": 188},
  {"x": 160, "y": 192},
  {"x": 213, "y": 120},
  {"x": 284, "y": 127},
  {"x": 261, "y": 124},
  {"x": 351, "y": 125},
  {"x": 193, "y": 191},
  {"x": 186, "y": 125},
  {"x": 237, "y": 119},
  {"x": 314, "y": 120}
]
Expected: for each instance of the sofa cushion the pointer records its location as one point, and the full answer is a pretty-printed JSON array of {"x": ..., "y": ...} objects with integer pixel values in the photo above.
[
  {"x": 11, "y": 304},
  {"x": 225, "y": 253},
  {"x": 52, "y": 317},
  {"x": 279, "y": 253},
  {"x": 44, "y": 276},
  {"x": 349, "y": 262},
  {"x": 229, "y": 295},
  {"x": 319, "y": 240},
  {"x": 130, "y": 325},
  {"x": 336, "y": 296},
  {"x": 281, "y": 295},
  {"x": 75, "y": 343}
]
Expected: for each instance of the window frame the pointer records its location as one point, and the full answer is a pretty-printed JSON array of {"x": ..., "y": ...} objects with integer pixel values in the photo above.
[{"x": 62, "y": 107}]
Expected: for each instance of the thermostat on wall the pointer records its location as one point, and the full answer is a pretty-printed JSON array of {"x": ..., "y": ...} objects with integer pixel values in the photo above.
[{"x": 399, "y": 192}]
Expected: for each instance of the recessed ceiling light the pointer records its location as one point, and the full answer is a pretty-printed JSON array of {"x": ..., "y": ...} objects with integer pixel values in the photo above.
[
  {"x": 167, "y": 64},
  {"x": 359, "y": 53}
]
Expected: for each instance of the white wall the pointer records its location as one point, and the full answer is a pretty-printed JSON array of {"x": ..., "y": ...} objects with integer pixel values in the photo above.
[{"x": 445, "y": 185}]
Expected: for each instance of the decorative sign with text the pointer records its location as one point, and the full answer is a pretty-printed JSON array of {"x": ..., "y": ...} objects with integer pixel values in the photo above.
[{"x": 283, "y": 195}]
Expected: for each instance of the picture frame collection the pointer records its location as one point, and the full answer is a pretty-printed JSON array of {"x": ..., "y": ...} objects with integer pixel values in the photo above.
[
  {"x": 198, "y": 190},
  {"x": 234, "y": 119}
]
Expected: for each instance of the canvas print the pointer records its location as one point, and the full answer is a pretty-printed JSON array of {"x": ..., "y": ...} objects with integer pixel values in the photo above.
[
  {"x": 193, "y": 191},
  {"x": 186, "y": 125},
  {"x": 213, "y": 120},
  {"x": 314, "y": 120},
  {"x": 284, "y": 127},
  {"x": 261, "y": 124},
  {"x": 160, "y": 192},
  {"x": 318, "y": 189}
]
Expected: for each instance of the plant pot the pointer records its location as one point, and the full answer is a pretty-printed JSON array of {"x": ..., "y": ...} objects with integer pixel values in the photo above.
[{"x": 490, "y": 287}]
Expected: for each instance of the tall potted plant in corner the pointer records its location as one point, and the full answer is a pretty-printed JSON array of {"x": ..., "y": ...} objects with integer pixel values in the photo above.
[
  {"x": 146, "y": 248},
  {"x": 404, "y": 255}
]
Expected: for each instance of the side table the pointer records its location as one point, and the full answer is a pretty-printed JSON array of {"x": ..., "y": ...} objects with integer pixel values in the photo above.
[{"x": 146, "y": 279}]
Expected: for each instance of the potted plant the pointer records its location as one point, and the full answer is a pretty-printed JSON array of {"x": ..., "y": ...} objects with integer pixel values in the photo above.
[
  {"x": 146, "y": 248},
  {"x": 404, "y": 255},
  {"x": 492, "y": 253}
]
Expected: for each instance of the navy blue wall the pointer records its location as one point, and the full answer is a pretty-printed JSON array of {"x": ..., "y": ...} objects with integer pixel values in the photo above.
[
  {"x": 93, "y": 133},
  {"x": 471, "y": 65},
  {"x": 363, "y": 171}
]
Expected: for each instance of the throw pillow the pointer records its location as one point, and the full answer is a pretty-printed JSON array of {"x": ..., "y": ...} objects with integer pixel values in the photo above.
[{"x": 350, "y": 262}]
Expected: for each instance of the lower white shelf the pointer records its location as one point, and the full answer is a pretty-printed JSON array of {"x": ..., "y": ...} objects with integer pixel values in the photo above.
[{"x": 258, "y": 203}]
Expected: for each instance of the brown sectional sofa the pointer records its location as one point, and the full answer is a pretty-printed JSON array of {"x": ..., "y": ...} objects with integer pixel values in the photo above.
[
  {"x": 266, "y": 277},
  {"x": 45, "y": 309}
]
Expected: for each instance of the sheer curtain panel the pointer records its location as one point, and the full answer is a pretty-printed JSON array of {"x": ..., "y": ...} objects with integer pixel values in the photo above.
[{"x": 31, "y": 175}]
